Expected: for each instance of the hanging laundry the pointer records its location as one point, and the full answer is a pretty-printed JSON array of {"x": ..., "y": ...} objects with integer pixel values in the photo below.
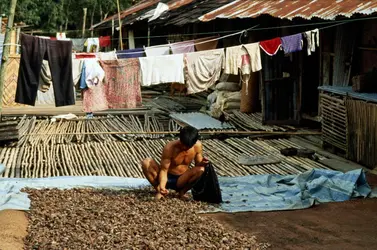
[
  {"x": 83, "y": 77},
  {"x": 157, "y": 50},
  {"x": 233, "y": 59},
  {"x": 272, "y": 46},
  {"x": 44, "y": 37},
  {"x": 94, "y": 74},
  {"x": 253, "y": 49},
  {"x": 107, "y": 56},
  {"x": 85, "y": 55},
  {"x": 104, "y": 41},
  {"x": 123, "y": 80},
  {"x": 291, "y": 43},
  {"x": 61, "y": 36},
  {"x": 94, "y": 99},
  {"x": 77, "y": 66},
  {"x": 131, "y": 53},
  {"x": 45, "y": 98},
  {"x": 45, "y": 94},
  {"x": 206, "y": 43},
  {"x": 183, "y": 47},
  {"x": 162, "y": 69},
  {"x": 45, "y": 79},
  {"x": 203, "y": 69},
  {"x": 59, "y": 55},
  {"x": 92, "y": 45},
  {"x": 312, "y": 38},
  {"x": 78, "y": 44}
]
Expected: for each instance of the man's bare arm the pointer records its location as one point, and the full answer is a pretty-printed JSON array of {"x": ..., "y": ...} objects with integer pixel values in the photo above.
[
  {"x": 199, "y": 159},
  {"x": 164, "y": 168}
]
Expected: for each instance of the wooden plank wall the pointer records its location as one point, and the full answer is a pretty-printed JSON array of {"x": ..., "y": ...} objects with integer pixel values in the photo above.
[{"x": 362, "y": 125}]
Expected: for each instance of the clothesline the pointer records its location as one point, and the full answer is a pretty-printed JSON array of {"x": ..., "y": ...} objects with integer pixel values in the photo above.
[
  {"x": 198, "y": 43},
  {"x": 215, "y": 39},
  {"x": 219, "y": 38}
]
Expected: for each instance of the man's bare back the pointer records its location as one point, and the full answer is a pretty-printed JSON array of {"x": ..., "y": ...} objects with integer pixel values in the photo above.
[{"x": 174, "y": 172}]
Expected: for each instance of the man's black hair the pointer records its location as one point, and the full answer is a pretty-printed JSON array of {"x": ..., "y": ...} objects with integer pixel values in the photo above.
[{"x": 189, "y": 136}]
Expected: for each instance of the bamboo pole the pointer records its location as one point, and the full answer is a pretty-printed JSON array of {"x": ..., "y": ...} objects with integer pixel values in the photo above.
[
  {"x": 6, "y": 49},
  {"x": 176, "y": 132},
  {"x": 120, "y": 27},
  {"x": 83, "y": 23}
]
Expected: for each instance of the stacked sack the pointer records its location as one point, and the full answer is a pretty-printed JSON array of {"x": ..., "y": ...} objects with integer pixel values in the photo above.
[{"x": 226, "y": 97}]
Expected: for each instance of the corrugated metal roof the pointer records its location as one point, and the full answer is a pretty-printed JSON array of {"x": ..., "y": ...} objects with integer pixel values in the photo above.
[
  {"x": 142, "y": 7},
  {"x": 289, "y": 9},
  {"x": 175, "y": 4},
  {"x": 190, "y": 11},
  {"x": 136, "y": 12},
  {"x": 200, "y": 121}
]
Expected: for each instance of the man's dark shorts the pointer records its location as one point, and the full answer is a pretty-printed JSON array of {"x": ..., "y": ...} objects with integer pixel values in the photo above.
[{"x": 172, "y": 182}]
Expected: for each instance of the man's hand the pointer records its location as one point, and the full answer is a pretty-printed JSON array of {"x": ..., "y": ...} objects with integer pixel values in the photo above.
[
  {"x": 162, "y": 190},
  {"x": 203, "y": 163}
]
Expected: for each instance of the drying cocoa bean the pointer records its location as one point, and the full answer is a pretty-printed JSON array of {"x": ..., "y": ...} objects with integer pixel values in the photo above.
[{"x": 108, "y": 219}]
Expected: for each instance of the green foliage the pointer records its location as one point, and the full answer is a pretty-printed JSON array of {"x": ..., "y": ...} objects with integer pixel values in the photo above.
[{"x": 55, "y": 14}]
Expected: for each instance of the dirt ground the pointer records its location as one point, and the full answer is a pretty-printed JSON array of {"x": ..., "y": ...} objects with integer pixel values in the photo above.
[
  {"x": 341, "y": 225},
  {"x": 13, "y": 226},
  {"x": 346, "y": 225}
]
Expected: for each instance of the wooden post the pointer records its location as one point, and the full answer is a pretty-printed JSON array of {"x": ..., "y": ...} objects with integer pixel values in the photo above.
[
  {"x": 149, "y": 34},
  {"x": 120, "y": 28},
  {"x": 6, "y": 49},
  {"x": 131, "y": 39},
  {"x": 112, "y": 27},
  {"x": 91, "y": 19},
  {"x": 83, "y": 24}
]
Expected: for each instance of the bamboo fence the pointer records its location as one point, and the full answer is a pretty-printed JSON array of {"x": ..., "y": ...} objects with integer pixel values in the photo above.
[{"x": 362, "y": 136}]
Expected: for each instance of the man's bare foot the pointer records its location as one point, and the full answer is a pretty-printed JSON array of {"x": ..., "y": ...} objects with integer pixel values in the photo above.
[
  {"x": 183, "y": 196},
  {"x": 159, "y": 196}
]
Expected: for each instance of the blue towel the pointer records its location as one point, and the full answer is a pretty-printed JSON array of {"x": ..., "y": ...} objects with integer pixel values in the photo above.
[{"x": 131, "y": 53}]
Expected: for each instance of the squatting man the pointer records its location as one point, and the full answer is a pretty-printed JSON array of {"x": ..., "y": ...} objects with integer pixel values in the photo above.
[{"x": 173, "y": 172}]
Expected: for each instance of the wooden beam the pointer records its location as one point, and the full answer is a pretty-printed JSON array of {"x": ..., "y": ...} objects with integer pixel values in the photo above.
[{"x": 176, "y": 132}]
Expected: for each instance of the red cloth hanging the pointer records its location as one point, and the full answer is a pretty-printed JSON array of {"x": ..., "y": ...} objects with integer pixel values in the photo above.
[
  {"x": 104, "y": 41},
  {"x": 272, "y": 46},
  {"x": 85, "y": 55}
]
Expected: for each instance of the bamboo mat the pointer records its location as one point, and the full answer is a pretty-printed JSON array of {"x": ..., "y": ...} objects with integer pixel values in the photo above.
[
  {"x": 33, "y": 131},
  {"x": 116, "y": 158}
]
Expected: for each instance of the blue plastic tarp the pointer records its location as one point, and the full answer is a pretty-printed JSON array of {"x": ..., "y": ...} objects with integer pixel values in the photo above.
[
  {"x": 276, "y": 192},
  {"x": 240, "y": 194}
]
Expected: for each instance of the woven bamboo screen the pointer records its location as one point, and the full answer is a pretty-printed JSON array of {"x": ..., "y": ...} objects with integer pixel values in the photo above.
[
  {"x": 10, "y": 84},
  {"x": 334, "y": 121},
  {"x": 362, "y": 124}
]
